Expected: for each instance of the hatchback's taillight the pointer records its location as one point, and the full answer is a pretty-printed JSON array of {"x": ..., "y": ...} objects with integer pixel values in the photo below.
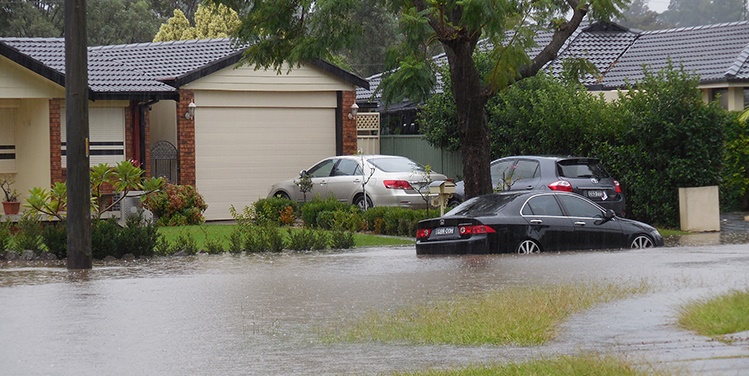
[
  {"x": 561, "y": 185},
  {"x": 617, "y": 187},
  {"x": 423, "y": 233},
  {"x": 475, "y": 229},
  {"x": 396, "y": 184}
]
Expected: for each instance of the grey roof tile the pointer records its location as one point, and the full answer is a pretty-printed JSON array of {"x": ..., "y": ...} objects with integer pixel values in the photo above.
[{"x": 713, "y": 52}]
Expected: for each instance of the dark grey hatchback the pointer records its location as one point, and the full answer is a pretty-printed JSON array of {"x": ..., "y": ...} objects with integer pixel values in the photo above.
[{"x": 584, "y": 176}]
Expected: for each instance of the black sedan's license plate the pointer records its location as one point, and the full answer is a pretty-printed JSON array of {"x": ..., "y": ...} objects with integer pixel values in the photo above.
[
  {"x": 444, "y": 231},
  {"x": 595, "y": 194}
]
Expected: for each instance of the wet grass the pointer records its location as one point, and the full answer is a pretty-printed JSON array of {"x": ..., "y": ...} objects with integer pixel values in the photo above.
[
  {"x": 222, "y": 232},
  {"x": 519, "y": 316},
  {"x": 717, "y": 316},
  {"x": 564, "y": 365}
]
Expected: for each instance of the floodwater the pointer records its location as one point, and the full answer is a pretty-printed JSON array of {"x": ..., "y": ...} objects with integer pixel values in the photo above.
[{"x": 262, "y": 314}]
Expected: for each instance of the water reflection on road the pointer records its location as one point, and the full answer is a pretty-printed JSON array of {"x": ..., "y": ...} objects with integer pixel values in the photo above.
[{"x": 260, "y": 314}]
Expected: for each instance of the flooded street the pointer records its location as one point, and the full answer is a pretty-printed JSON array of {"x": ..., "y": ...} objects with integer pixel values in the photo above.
[{"x": 262, "y": 314}]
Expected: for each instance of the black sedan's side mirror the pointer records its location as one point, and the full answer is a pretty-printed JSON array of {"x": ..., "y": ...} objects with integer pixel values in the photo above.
[{"x": 607, "y": 216}]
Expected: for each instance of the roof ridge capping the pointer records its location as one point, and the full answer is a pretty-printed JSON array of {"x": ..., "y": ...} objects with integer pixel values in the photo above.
[
  {"x": 164, "y": 43},
  {"x": 699, "y": 27}
]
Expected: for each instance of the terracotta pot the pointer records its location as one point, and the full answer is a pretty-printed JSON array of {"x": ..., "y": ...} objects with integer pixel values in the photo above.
[{"x": 11, "y": 208}]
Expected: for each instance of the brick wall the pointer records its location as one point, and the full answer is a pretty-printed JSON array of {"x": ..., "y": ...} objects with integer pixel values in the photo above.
[
  {"x": 55, "y": 142},
  {"x": 186, "y": 139},
  {"x": 349, "y": 125}
]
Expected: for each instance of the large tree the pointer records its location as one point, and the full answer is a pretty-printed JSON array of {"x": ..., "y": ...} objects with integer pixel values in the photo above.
[
  {"x": 287, "y": 33},
  {"x": 212, "y": 21}
]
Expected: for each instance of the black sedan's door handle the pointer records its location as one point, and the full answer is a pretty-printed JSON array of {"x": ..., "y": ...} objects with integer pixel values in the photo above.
[
  {"x": 536, "y": 221},
  {"x": 580, "y": 223}
]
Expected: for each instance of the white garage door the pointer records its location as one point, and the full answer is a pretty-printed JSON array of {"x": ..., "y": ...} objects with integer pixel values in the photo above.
[{"x": 241, "y": 152}]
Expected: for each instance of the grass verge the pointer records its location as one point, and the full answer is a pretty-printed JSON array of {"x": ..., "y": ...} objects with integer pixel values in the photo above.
[
  {"x": 513, "y": 316},
  {"x": 563, "y": 365},
  {"x": 222, "y": 232},
  {"x": 715, "y": 317}
]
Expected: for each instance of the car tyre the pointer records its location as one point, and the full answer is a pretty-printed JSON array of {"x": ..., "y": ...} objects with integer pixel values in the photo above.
[
  {"x": 282, "y": 195},
  {"x": 359, "y": 201},
  {"x": 528, "y": 246},
  {"x": 641, "y": 241}
]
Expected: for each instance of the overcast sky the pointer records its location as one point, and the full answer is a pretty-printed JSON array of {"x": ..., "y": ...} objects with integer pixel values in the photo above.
[{"x": 658, "y": 5}]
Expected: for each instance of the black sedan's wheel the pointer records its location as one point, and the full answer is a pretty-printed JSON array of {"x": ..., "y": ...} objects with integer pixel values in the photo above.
[
  {"x": 359, "y": 201},
  {"x": 641, "y": 241},
  {"x": 528, "y": 246}
]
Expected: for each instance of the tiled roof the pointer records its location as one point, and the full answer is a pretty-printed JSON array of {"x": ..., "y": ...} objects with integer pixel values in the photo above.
[
  {"x": 140, "y": 69},
  {"x": 713, "y": 52}
]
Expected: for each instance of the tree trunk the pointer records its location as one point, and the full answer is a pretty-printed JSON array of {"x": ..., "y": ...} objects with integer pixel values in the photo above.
[{"x": 472, "y": 123}]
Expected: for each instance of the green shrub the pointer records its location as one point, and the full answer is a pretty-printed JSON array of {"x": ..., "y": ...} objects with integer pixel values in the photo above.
[
  {"x": 270, "y": 239},
  {"x": 269, "y": 211},
  {"x": 235, "y": 241},
  {"x": 734, "y": 191},
  {"x": 5, "y": 235},
  {"x": 312, "y": 209},
  {"x": 29, "y": 235},
  {"x": 342, "y": 240},
  {"x": 185, "y": 243},
  {"x": 162, "y": 246},
  {"x": 105, "y": 236},
  {"x": 394, "y": 220},
  {"x": 301, "y": 239},
  {"x": 55, "y": 238},
  {"x": 176, "y": 205},
  {"x": 253, "y": 240},
  {"x": 139, "y": 237}
]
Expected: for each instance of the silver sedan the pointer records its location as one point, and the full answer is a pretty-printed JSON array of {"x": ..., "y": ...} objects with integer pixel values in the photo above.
[{"x": 387, "y": 180}]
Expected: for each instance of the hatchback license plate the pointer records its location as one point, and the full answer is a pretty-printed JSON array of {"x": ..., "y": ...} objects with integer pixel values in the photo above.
[
  {"x": 444, "y": 230},
  {"x": 595, "y": 194}
]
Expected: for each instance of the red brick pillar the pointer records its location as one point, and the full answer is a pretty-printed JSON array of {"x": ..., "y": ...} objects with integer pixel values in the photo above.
[
  {"x": 186, "y": 139},
  {"x": 55, "y": 141},
  {"x": 349, "y": 124},
  {"x": 146, "y": 122},
  {"x": 129, "y": 129}
]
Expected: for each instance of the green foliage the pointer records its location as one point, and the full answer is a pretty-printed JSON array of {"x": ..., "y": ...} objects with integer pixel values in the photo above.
[
  {"x": 104, "y": 238},
  {"x": 5, "y": 235},
  {"x": 235, "y": 241},
  {"x": 139, "y": 237},
  {"x": 271, "y": 239},
  {"x": 394, "y": 220},
  {"x": 185, "y": 243},
  {"x": 672, "y": 139},
  {"x": 341, "y": 239},
  {"x": 312, "y": 209},
  {"x": 269, "y": 211},
  {"x": 734, "y": 191},
  {"x": 211, "y": 21},
  {"x": 28, "y": 235},
  {"x": 717, "y": 316},
  {"x": 176, "y": 205},
  {"x": 307, "y": 240},
  {"x": 55, "y": 239},
  {"x": 162, "y": 246}
]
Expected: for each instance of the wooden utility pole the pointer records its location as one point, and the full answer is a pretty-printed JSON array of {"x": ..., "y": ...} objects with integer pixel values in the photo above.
[{"x": 76, "y": 117}]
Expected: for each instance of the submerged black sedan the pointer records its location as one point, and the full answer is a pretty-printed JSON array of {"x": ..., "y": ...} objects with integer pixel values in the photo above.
[{"x": 530, "y": 222}]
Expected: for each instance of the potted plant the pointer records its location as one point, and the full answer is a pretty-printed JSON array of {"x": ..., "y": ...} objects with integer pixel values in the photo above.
[{"x": 11, "y": 205}]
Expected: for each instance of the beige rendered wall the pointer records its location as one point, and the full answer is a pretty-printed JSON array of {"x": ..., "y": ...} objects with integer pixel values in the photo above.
[
  {"x": 18, "y": 82},
  {"x": 32, "y": 145},
  {"x": 246, "y": 78},
  {"x": 164, "y": 121}
]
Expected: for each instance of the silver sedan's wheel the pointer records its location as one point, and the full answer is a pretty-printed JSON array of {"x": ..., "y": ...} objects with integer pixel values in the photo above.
[
  {"x": 359, "y": 201},
  {"x": 282, "y": 195},
  {"x": 528, "y": 246},
  {"x": 641, "y": 241}
]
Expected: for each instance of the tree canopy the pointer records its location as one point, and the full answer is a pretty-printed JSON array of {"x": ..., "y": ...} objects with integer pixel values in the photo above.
[
  {"x": 293, "y": 31},
  {"x": 212, "y": 21}
]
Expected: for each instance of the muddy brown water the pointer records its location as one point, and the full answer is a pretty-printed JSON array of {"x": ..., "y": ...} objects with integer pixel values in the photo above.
[{"x": 261, "y": 314}]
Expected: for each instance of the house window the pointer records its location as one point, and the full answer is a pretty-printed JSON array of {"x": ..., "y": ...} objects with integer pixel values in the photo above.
[{"x": 721, "y": 95}]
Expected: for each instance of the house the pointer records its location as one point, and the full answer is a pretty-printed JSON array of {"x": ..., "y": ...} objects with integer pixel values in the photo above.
[
  {"x": 185, "y": 109},
  {"x": 717, "y": 54}
]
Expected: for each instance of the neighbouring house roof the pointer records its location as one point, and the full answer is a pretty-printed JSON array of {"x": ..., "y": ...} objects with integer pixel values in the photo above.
[
  {"x": 715, "y": 53},
  {"x": 152, "y": 70}
]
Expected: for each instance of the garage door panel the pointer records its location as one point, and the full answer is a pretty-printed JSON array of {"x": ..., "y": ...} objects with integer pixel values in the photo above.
[{"x": 241, "y": 152}]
